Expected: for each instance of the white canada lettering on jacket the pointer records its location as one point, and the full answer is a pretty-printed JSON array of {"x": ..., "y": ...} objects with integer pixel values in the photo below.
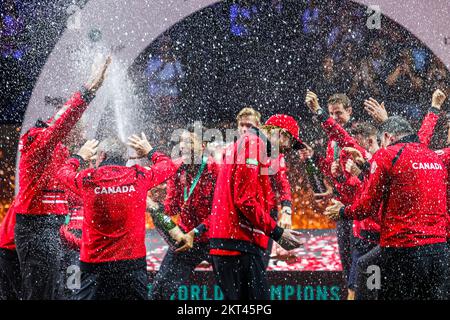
[
  {"x": 111, "y": 190},
  {"x": 426, "y": 166}
]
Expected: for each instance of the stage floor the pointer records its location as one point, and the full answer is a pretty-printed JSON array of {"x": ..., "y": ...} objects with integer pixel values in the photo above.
[{"x": 320, "y": 253}]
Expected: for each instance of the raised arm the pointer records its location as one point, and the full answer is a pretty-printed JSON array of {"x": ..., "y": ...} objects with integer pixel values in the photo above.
[
  {"x": 65, "y": 119},
  {"x": 333, "y": 129},
  {"x": 163, "y": 167},
  {"x": 68, "y": 174},
  {"x": 429, "y": 122}
]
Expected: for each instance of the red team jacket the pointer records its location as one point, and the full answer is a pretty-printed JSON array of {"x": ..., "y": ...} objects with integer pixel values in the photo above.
[
  {"x": 412, "y": 190},
  {"x": 41, "y": 155},
  {"x": 114, "y": 198},
  {"x": 240, "y": 219},
  {"x": 444, "y": 155},
  {"x": 280, "y": 182},
  {"x": 75, "y": 222},
  {"x": 282, "y": 193},
  {"x": 76, "y": 210},
  {"x": 196, "y": 210},
  {"x": 347, "y": 186},
  {"x": 336, "y": 141},
  {"x": 425, "y": 134}
]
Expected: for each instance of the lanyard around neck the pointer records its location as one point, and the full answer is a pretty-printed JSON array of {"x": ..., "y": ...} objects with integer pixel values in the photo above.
[
  {"x": 336, "y": 151},
  {"x": 195, "y": 181}
]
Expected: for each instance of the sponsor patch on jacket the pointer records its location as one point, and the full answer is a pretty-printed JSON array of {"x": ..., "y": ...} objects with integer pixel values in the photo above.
[
  {"x": 426, "y": 166},
  {"x": 115, "y": 189},
  {"x": 251, "y": 161}
]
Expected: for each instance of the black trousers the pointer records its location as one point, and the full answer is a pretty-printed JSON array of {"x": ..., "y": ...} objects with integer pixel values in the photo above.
[
  {"x": 113, "y": 282},
  {"x": 418, "y": 273},
  {"x": 360, "y": 247},
  {"x": 241, "y": 277},
  {"x": 362, "y": 290},
  {"x": 344, "y": 232},
  {"x": 176, "y": 268},
  {"x": 70, "y": 262},
  {"x": 39, "y": 250},
  {"x": 10, "y": 279},
  {"x": 267, "y": 253}
]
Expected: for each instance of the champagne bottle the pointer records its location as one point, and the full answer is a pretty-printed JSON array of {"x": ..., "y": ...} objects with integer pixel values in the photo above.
[
  {"x": 163, "y": 224},
  {"x": 315, "y": 177}
]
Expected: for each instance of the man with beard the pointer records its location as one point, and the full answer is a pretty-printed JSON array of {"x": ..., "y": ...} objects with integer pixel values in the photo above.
[
  {"x": 240, "y": 223},
  {"x": 189, "y": 195}
]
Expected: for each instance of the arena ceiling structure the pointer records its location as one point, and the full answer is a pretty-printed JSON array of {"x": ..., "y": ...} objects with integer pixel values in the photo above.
[{"x": 129, "y": 27}]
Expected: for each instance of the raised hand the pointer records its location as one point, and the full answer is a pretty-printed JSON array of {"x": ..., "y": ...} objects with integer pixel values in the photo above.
[
  {"x": 88, "y": 150},
  {"x": 151, "y": 204},
  {"x": 335, "y": 169},
  {"x": 312, "y": 101},
  {"x": 375, "y": 110},
  {"x": 98, "y": 77},
  {"x": 140, "y": 145},
  {"x": 306, "y": 153},
  {"x": 438, "y": 99}
]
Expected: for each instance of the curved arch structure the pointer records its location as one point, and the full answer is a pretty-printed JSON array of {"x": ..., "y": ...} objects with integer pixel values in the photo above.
[{"x": 130, "y": 26}]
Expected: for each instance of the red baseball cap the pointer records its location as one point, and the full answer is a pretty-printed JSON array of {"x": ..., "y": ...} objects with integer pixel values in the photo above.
[{"x": 289, "y": 124}]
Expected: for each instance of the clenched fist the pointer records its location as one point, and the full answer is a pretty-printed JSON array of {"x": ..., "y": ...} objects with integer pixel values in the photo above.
[
  {"x": 438, "y": 99},
  {"x": 312, "y": 101}
]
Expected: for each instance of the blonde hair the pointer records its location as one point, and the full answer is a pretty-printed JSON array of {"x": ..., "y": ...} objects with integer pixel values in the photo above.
[{"x": 248, "y": 112}]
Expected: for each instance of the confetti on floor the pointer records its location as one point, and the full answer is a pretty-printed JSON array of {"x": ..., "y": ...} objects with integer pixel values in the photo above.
[{"x": 319, "y": 253}]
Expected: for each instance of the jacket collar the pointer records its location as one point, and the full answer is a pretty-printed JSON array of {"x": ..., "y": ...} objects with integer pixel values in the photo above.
[
  {"x": 412, "y": 138},
  {"x": 113, "y": 162},
  {"x": 263, "y": 137}
]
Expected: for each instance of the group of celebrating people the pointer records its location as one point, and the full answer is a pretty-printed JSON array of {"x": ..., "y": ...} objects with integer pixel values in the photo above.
[{"x": 390, "y": 204}]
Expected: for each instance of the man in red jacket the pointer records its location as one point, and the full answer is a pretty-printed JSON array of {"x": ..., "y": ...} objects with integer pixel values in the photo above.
[
  {"x": 336, "y": 123},
  {"x": 112, "y": 257},
  {"x": 240, "y": 223},
  {"x": 379, "y": 114},
  {"x": 425, "y": 134},
  {"x": 41, "y": 203},
  {"x": 410, "y": 181},
  {"x": 189, "y": 195},
  {"x": 348, "y": 183},
  {"x": 246, "y": 119},
  {"x": 10, "y": 278},
  {"x": 340, "y": 113}
]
